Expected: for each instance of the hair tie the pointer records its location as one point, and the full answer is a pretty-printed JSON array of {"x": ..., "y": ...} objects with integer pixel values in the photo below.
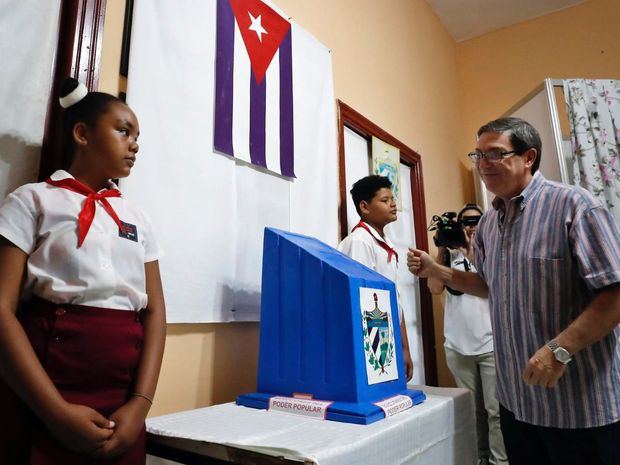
[{"x": 74, "y": 96}]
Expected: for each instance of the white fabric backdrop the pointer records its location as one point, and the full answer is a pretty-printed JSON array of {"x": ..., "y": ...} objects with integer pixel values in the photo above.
[
  {"x": 28, "y": 36},
  {"x": 210, "y": 210}
]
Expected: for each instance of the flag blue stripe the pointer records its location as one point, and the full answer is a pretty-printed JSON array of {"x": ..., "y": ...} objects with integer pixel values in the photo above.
[
  {"x": 286, "y": 106},
  {"x": 224, "y": 67}
]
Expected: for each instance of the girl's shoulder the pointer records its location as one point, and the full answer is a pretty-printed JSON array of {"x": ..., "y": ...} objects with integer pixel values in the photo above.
[
  {"x": 28, "y": 194},
  {"x": 31, "y": 187}
]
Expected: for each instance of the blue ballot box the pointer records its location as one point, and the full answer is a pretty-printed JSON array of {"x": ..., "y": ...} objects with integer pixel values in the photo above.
[{"x": 329, "y": 330}]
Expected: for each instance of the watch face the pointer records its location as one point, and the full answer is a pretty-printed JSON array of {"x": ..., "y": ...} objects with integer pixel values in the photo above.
[{"x": 562, "y": 355}]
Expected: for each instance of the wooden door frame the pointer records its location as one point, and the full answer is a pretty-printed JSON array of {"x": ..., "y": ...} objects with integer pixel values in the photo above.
[
  {"x": 348, "y": 117},
  {"x": 78, "y": 54}
]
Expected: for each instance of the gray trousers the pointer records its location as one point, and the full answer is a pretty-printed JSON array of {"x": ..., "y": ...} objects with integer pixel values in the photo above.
[{"x": 477, "y": 373}]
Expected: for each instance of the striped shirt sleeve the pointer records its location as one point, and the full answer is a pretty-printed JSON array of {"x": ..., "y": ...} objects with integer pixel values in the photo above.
[{"x": 595, "y": 239}]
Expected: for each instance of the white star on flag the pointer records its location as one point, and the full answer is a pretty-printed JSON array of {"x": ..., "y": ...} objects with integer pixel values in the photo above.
[{"x": 257, "y": 27}]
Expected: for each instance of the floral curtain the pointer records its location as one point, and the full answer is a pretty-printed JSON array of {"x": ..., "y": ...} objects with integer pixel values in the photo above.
[{"x": 594, "y": 114}]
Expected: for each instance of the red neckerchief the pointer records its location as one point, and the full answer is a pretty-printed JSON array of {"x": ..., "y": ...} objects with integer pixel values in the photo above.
[
  {"x": 87, "y": 214},
  {"x": 390, "y": 251}
]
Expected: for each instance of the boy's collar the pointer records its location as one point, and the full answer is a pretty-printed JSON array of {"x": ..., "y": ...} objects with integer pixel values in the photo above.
[
  {"x": 383, "y": 242},
  {"x": 372, "y": 230}
]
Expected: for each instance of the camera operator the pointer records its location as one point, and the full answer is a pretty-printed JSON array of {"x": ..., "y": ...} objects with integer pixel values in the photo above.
[{"x": 468, "y": 336}]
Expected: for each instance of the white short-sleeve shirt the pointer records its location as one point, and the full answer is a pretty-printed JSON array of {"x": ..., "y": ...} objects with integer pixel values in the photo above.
[
  {"x": 106, "y": 271},
  {"x": 364, "y": 248},
  {"x": 467, "y": 319}
]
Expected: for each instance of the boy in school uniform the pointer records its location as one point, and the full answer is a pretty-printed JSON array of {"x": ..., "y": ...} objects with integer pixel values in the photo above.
[{"x": 367, "y": 243}]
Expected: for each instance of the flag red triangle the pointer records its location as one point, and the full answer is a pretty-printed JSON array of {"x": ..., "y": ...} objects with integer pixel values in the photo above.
[{"x": 262, "y": 30}]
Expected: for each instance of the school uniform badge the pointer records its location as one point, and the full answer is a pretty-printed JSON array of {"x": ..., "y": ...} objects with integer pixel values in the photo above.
[{"x": 129, "y": 231}]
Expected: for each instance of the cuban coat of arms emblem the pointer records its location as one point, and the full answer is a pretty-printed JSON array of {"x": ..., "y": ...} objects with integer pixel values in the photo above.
[{"x": 378, "y": 333}]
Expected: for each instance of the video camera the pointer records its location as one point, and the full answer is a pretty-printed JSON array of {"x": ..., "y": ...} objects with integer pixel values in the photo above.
[
  {"x": 449, "y": 227},
  {"x": 449, "y": 231}
]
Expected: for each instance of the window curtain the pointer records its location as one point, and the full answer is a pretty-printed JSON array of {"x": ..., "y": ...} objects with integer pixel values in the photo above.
[{"x": 594, "y": 113}]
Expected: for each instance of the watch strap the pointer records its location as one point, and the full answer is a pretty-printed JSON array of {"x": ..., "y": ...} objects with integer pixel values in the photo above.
[{"x": 553, "y": 344}]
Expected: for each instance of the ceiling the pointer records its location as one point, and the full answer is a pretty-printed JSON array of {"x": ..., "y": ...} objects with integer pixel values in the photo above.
[{"x": 465, "y": 19}]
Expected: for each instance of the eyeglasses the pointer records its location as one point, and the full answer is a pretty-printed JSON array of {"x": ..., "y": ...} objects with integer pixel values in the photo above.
[
  {"x": 493, "y": 155},
  {"x": 470, "y": 220}
]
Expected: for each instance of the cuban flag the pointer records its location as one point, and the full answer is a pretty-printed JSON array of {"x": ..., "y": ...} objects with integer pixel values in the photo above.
[{"x": 253, "y": 118}]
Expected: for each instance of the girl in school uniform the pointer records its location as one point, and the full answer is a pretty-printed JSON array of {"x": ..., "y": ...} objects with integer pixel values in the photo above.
[{"x": 79, "y": 360}]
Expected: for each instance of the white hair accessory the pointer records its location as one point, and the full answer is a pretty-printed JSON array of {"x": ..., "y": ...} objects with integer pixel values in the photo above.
[{"x": 74, "y": 96}]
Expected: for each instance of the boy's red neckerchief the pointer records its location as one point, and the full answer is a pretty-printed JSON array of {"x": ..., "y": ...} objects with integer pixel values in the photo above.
[{"x": 390, "y": 251}]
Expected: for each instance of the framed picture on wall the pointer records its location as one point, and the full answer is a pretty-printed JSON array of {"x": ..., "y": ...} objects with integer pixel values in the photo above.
[{"x": 386, "y": 162}]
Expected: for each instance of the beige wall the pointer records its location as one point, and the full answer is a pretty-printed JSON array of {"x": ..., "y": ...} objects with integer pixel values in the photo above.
[
  {"x": 109, "y": 66},
  {"x": 400, "y": 68},
  {"x": 498, "y": 69},
  {"x": 397, "y": 66}
]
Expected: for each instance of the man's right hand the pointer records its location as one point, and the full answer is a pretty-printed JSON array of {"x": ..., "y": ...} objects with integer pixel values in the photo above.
[{"x": 420, "y": 263}]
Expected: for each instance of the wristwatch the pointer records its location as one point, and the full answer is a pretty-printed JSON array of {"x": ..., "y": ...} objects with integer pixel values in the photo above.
[{"x": 560, "y": 353}]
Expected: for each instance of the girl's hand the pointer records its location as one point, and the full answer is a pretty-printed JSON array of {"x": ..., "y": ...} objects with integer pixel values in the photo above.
[
  {"x": 80, "y": 428},
  {"x": 129, "y": 421},
  {"x": 408, "y": 364}
]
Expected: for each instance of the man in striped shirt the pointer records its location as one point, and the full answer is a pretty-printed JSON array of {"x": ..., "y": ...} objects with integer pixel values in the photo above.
[{"x": 548, "y": 257}]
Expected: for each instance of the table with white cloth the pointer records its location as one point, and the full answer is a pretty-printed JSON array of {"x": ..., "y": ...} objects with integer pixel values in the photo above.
[{"x": 439, "y": 431}]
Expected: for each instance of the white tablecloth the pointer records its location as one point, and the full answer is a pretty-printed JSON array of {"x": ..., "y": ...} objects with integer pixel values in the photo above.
[{"x": 440, "y": 431}]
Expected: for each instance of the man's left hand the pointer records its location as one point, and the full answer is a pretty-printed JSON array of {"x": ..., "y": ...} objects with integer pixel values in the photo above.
[{"x": 543, "y": 369}]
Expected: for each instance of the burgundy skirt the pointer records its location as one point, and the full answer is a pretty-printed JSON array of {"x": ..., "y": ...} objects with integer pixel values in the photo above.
[{"x": 91, "y": 354}]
